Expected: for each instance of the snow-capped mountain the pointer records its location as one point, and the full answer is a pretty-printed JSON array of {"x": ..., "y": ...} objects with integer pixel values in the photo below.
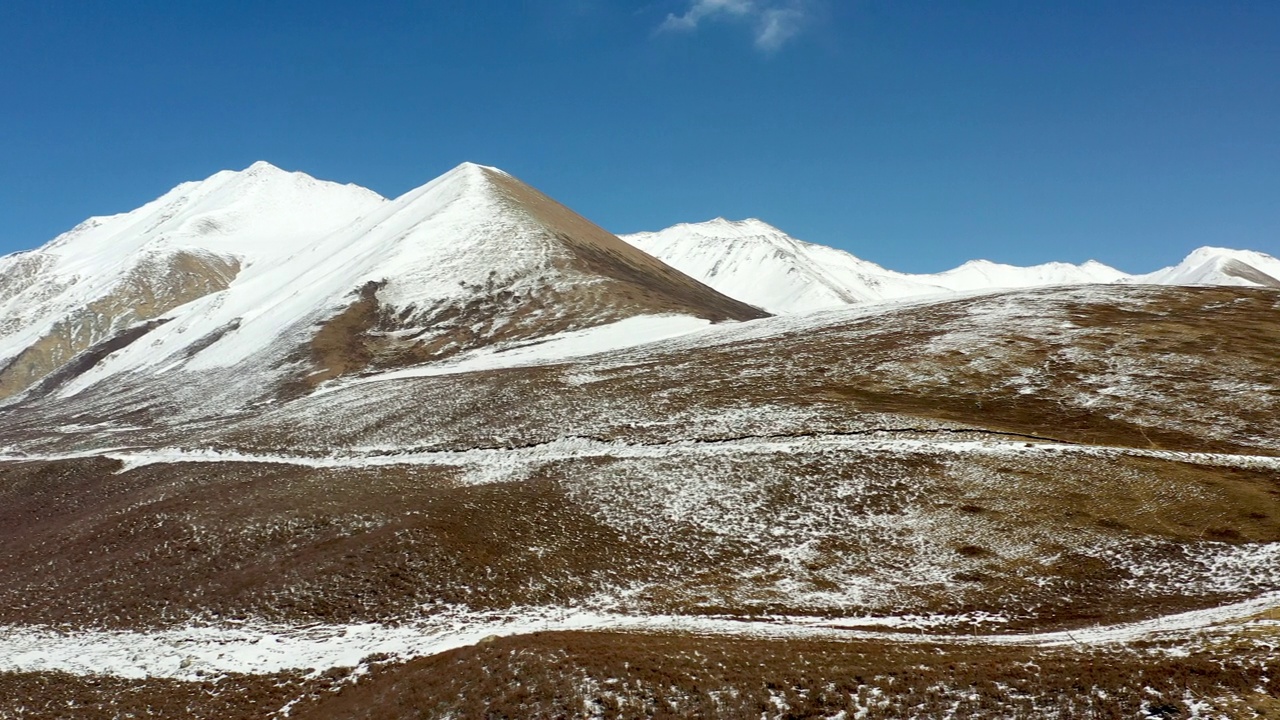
[
  {"x": 303, "y": 277},
  {"x": 111, "y": 273},
  {"x": 266, "y": 273},
  {"x": 764, "y": 266},
  {"x": 986, "y": 275},
  {"x": 1218, "y": 266},
  {"x": 760, "y": 264}
]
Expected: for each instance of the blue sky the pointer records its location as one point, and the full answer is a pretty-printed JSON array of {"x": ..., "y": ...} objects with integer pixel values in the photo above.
[{"x": 915, "y": 134}]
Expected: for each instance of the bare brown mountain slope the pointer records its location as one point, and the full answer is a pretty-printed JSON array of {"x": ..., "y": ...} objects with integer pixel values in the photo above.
[
  {"x": 1236, "y": 268},
  {"x": 635, "y": 277}
]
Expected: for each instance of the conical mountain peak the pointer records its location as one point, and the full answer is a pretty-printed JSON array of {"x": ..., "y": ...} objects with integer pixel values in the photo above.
[
  {"x": 262, "y": 167},
  {"x": 465, "y": 179}
]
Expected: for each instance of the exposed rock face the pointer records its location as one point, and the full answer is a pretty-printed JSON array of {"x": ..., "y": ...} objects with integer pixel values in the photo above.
[
  {"x": 18, "y": 274},
  {"x": 159, "y": 283}
]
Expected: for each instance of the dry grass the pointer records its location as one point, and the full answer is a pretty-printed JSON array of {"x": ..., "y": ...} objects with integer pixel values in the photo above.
[
  {"x": 623, "y": 675},
  {"x": 741, "y": 534},
  {"x": 633, "y": 676},
  {"x": 1051, "y": 539},
  {"x": 1106, "y": 367},
  {"x": 161, "y": 543},
  {"x": 46, "y": 696}
]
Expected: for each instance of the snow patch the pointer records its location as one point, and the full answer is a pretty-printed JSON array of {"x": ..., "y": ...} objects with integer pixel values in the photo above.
[
  {"x": 627, "y": 333},
  {"x": 199, "y": 652}
]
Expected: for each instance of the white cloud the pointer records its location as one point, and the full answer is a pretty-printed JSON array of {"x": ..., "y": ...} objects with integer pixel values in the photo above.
[
  {"x": 774, "y": 22},
  {"x": 777, "y": 26}
]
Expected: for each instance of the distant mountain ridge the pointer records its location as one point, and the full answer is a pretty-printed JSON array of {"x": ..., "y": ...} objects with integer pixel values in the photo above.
[
  {"x": 760, "y": 264},
  {"x": 1218, "y": 266}
]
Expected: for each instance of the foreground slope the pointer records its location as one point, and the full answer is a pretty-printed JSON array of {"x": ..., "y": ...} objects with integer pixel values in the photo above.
[
  {"x": 1058, "y": 478},
  {"x": 1049, "y": 457}
]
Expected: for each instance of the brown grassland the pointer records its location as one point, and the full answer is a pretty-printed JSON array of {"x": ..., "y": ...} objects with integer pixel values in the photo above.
[
  {"x": 609, "y": 675},
  {"x": 1024, "y": 455}
]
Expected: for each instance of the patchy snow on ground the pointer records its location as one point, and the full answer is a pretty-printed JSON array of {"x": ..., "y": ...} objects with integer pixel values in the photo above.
[
  {"x": 576, "y": 447},
  {"x": 623, "y": 334},
  {"x": 199, "y": 652}
]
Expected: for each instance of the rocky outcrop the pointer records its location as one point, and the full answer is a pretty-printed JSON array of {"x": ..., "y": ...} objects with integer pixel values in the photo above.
[{"x": 159, "y": 283}]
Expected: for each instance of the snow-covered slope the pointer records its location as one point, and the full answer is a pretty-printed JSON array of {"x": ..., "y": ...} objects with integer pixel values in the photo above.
[
  {"x": 755, "y": 262},
  {"x": 258, "y": 217},
  {"x": 1218, "y": 266},
  {"x": 978, "y": 275},
  {"x": 312, "y": 280},
  {"x": 758, "y": 263},
  {"x": 319, "y": 280},
  {"x": 109, "y": 273}
]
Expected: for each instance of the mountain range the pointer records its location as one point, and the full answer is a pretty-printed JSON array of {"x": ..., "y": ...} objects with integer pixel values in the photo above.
[
  {"x": 273, "y": 268},
  {"x": 755, "y": 262},
  {"x": 276, "y": 447},
  {"x": 269, "y": 266}
]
